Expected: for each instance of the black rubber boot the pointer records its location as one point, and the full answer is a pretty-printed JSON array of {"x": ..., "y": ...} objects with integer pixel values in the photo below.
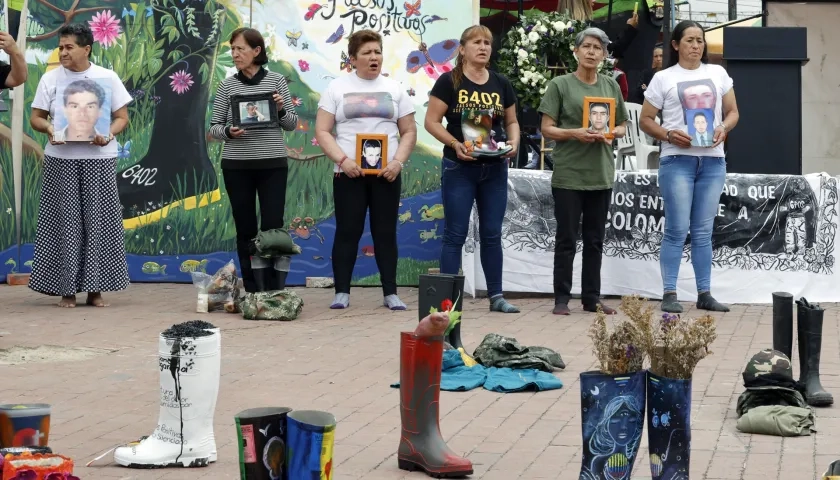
[
  {"x": 433, "y": 291},
  {"x": 281, "y": 272},
  {"x": 783, "y": 322},
  {"x": 263, "y": 274},
  {"x": 833, "y": 472},
  {"x": 809, "y": 324}
]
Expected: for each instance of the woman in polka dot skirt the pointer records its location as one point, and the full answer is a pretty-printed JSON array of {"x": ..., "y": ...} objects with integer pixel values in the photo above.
[{"x": 79, "y": 244}]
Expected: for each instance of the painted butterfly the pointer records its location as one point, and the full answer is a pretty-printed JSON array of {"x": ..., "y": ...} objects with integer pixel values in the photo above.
[
  {"x": 345, "y": 62},
  {"x": 412, "y": 9},
  {"x": 293, "y": 37},
  {"x": 336, "y": 37},
  {"x": 431, "y": 59},
  {"x": 311, "y": 11}
]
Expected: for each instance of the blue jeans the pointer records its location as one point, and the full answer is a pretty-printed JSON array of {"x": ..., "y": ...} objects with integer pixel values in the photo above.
[
  {"x": 691, "y": 189},
  {"x": 486, "y": 184}
]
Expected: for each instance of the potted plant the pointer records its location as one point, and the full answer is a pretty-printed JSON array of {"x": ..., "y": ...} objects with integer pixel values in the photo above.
[
  {"x": 612, "y": 400},
  {"x": 675, "y": 345}
]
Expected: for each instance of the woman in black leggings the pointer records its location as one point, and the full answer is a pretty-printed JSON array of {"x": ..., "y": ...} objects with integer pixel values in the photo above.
[
  {"x": 365, "y": 102},
  {"x": 254, "y": 162}
]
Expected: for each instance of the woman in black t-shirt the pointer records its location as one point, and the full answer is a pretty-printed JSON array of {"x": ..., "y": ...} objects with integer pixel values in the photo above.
[{"x": 481, "y": 135}]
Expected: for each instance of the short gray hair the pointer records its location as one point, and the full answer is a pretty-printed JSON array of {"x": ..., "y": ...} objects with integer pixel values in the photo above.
[{"x": 593, "y": 32}]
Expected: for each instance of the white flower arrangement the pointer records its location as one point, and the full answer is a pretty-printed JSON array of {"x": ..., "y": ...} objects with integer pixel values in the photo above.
[{"x": 541, "y": 48}]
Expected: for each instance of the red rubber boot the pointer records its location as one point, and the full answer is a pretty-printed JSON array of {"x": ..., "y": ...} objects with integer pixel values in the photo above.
[{"x": 421, "y": 445}]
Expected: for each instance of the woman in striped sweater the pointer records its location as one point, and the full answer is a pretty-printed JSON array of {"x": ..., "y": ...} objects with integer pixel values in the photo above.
[{"x": 254, "y": 161}]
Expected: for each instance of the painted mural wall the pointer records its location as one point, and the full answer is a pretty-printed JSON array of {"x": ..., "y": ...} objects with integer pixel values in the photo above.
[{"x": 171, "y": 55}]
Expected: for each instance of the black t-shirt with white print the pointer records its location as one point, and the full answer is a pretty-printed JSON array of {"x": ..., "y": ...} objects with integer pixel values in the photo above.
[{"x": 475, "y": 111}]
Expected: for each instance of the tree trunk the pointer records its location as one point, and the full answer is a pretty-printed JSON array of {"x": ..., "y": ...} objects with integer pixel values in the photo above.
[{"x": 176, "y": 165}]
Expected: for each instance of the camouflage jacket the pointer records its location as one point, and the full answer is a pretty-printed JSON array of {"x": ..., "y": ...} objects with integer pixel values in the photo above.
[{"x": 498, "y": 351}]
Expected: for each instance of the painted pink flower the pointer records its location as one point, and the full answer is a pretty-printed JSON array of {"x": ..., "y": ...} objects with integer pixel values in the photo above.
[
  {"x": 315, "y": 142},
  {"x": 304, "y": 66},
  {"x": 296, "y": 101},
  {"x": 181, "y": 81},
  {"x": 105, "y": 27}
]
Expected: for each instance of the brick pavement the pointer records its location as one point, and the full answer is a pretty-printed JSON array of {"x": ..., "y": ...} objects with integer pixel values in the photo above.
[{"x": 344, "y": 361}]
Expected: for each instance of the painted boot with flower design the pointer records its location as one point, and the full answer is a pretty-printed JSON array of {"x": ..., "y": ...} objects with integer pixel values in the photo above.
[
  {"x": 176, "y": 166},
  {"x": 190, "y": 362}
]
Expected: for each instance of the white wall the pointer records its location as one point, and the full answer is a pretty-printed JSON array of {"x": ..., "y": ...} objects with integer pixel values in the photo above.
[{"x": 820, "y": 81}]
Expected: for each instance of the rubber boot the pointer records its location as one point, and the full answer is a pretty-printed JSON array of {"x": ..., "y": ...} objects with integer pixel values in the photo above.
[
  {"x": 613, "y": 415},
  {"x": 783, "y": 322},
  {"x": 190, "y": 361},
  {"x": 262, "y": 430},
  {"x": 421, "y": 444},
  {"x": 669, "y": 426},
  {"x": 809, "y": 325},
  {"x": 310, "y": 437},
  {"x": 281, "y": 272},
  {"x": 263, "y": 273},
  {"x": 833, "y": 472},
  {"x": 433, "y": 291}
]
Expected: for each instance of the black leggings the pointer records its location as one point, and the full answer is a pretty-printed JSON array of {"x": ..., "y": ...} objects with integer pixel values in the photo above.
[
  {"x": 352, "y": 198},
  {"x": 242, "y": 188}
]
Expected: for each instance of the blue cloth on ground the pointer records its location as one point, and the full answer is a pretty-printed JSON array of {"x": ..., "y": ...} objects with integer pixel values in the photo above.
[{"x": 457, "y": 377}]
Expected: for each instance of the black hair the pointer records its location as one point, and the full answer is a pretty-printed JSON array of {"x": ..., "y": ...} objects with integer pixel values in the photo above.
[
  {"x": 85, "y": 85},
  {"x": 372, "y": 144},
  {"x": 599, "y": 104},
  {"x": 700, "y": 114},
  {"x": 677, "y": 35},
  {"x": 82, "y": 33}
]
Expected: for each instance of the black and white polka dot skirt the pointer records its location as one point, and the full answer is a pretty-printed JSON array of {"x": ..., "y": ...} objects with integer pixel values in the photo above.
[{"x": 79, "y": 245}]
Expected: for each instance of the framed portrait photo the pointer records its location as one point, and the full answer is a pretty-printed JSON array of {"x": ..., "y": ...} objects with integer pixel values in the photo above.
[
  {"x": 82, "y": 110},
  {"x": 599, "y": 115},
  {"x": 371, "y": 152},
  {"x": 253, "y": 112}
]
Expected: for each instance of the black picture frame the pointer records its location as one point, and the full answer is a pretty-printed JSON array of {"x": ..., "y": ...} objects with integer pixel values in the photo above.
[{"x": 264, "y": 105}]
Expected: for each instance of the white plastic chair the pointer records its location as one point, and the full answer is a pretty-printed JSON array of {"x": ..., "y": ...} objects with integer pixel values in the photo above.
[
  {"x": 647, "y": 154},
  {"x": 624, "y": 148}
]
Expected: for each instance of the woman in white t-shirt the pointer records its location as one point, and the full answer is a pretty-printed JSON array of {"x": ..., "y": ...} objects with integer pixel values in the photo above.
[
  {"x": 697, "y": 101},
  {"x": 79, "y": 244},
  {"x": 364, "y": 101}
]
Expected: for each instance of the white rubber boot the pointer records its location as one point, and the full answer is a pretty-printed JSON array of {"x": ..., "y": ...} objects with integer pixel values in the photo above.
[{"x": 184, "y": 434}]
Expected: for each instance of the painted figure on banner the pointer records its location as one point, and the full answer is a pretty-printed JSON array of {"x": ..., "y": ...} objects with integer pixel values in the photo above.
[{"x": 169, "y": 173}]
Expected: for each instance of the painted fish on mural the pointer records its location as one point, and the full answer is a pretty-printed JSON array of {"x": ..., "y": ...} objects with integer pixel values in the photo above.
[
  {"x": 190, "y": 266},
  {"x": 151, "y": 268}
]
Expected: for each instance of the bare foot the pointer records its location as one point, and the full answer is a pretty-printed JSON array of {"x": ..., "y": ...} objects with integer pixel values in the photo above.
[
  {"x": 96, "y": 300},
  {"x": 68, "y": 302}
]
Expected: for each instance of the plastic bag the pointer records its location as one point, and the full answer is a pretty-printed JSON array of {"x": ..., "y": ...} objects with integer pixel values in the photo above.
[{"x": 218, "y": 291}]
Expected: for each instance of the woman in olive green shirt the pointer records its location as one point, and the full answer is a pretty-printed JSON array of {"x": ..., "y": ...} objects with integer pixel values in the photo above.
[{"x": 584, "y": 168}]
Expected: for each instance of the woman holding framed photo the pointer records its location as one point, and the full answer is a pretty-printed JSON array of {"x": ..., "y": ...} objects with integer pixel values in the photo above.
[
  {"x": 254, "y": 160},
  {"x": 694, "y": 97},
  {"x": 362, "y": 106},
  {"x": 480, "y": 109},
  {"x": 79, "y": 244}
]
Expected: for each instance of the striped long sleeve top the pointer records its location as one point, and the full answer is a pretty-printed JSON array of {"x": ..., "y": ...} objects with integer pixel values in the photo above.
[{"x": 263, "y": 148}]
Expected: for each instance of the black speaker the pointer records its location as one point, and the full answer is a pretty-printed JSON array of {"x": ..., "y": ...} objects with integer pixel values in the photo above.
[{"x": 766, "y": 67}]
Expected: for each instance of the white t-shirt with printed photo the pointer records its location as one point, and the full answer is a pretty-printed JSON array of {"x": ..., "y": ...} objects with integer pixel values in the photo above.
[
  {"x": 365, "y": 106},
  {"x": 47, "y": 98},
  {"x": 683, "y": 95}
]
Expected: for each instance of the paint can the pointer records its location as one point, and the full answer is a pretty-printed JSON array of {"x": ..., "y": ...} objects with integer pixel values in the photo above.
[
  {"x": 24, "y": 425},
  {"x": 309, "y": 445},
  {"x": 261, "y": 434}
]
